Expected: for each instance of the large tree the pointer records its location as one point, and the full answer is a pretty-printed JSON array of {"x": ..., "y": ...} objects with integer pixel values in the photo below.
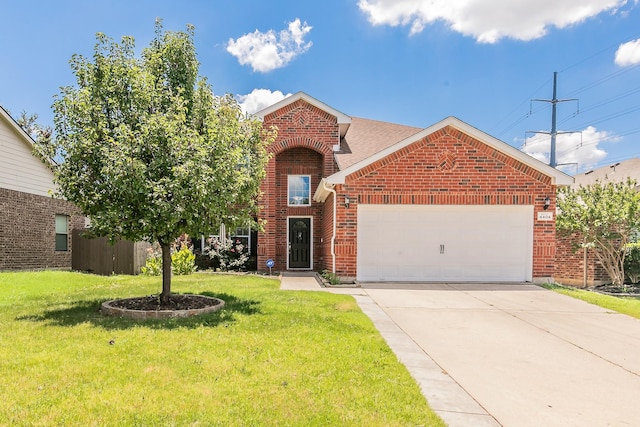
[
  {"x": 148, "y": 151},
  {"x": 603, "y": 216}
]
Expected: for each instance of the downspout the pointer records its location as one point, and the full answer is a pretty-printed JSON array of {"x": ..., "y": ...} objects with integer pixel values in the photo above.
[{"x": 333, "y": 235}]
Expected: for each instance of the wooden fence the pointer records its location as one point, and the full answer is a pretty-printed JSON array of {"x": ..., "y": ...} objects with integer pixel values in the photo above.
[{"x": 99, "y": 257}]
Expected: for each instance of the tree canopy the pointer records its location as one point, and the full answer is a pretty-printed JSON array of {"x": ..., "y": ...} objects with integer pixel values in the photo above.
[
  {"x": 43, "y": 147},
  {"x": 603, "y": 216},
  {"x": 149, "y": 152}
]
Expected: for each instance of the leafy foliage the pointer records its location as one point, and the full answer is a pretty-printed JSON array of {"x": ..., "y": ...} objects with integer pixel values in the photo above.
[
  {"x": 330, "y": 277},
  {"x": 604, "y": 216},
  {"x": 44, "y": 147},
  {"x": 632, "y": 262},
  {"x": 153, "y": 265},
  {"x": 183, "y": 261},
  {"x": 149, "y": 151},
  {"x": 230, "y": 254}
]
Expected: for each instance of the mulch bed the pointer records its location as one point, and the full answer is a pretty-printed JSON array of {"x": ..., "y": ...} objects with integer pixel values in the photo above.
[
  {"x": 176, "y": 302},
  {"x": 627, "y": 291}
]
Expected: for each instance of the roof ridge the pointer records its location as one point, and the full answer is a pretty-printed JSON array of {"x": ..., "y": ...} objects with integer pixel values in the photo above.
[{"x": 386, "y": 122}]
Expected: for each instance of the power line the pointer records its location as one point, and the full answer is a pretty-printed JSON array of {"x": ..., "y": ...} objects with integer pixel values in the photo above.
[
  {"x": 610, "y": 47},
  {"x": 521, "y": 118},
  {"x": 605, "y": 79},
  {"x": 611, "y": 116},
  {"x": 602, "y": 80},
  {"x": 602, "y": 103}
]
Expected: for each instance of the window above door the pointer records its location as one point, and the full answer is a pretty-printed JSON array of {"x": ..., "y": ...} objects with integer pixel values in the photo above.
[{"x": 299, "y": 190}]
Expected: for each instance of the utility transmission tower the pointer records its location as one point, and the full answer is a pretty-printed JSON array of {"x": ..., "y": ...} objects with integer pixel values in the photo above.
[{"x": 554, "y": 132}]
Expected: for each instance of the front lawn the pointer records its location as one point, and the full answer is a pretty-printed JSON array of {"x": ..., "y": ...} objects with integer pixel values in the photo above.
[
  {"x": 270, "y": 357},
  {"x": 624, "y": 305}
]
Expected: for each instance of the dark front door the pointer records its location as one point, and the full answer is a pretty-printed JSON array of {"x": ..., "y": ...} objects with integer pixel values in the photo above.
[{"x": 299, "y": 242}]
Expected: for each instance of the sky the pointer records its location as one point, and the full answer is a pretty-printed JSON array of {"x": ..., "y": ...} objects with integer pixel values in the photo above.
[{"x": 412, "y": 62}]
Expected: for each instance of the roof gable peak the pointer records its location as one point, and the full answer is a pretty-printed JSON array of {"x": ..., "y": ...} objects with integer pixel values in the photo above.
[
  {"x": 343, "y": 120},
  {"x": 558, "y": 177},
  {"x": 14, "y": 124}
]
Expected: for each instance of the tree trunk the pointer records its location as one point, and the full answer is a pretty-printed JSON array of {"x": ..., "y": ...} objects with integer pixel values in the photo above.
[
  {"x": 166, "y": 271},
  {"x": 612, "y": 262}
]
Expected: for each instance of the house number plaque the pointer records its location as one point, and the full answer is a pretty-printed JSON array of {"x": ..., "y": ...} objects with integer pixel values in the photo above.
[{"x": 545, "y": 216}]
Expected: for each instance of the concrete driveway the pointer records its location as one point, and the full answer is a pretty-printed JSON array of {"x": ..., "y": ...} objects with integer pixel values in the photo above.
[{"x": 527, "y": 356}]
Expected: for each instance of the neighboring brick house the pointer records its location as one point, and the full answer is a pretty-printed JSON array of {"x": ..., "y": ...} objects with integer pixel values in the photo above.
[
  {"x": 375, "y": 201},
  {"x": 35, "y": 228},
  {"x": 571, "y": 260}
]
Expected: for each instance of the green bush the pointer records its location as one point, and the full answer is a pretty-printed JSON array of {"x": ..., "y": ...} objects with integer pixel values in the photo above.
[
  {"x": 632, "y": 262},
  {"x": 330, "y": 277},
  {"x": 153, "y": 266},
  {"x": 183, "y": 262}
]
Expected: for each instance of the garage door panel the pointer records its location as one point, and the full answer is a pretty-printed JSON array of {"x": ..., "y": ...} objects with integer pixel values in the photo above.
[{"x": 403, "y": 243}]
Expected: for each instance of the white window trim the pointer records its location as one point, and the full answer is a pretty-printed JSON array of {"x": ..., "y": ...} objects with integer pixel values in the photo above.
[
  {"x": 222, "y": 235},
  {"x": 66, "y": 233},
  {"x": 289, "y": 189}
]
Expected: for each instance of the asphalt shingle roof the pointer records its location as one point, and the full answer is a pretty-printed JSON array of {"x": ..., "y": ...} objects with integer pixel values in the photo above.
[
  {"x": 615, "y": 172},
  {"x": 367, "y": 137}
]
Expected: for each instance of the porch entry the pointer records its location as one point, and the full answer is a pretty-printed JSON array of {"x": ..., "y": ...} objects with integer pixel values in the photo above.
[{"x": 299, "y": 242}]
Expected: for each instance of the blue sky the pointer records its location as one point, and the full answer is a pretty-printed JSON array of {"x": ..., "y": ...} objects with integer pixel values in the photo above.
[{"x": 411, "y": 62}]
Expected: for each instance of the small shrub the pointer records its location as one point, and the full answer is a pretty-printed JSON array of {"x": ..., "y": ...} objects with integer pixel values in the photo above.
[
  {"x": 330, "y": 277},
  {"x": 632, "y": 262},
  {"x": 153, "y": 266},
  {"x": 183, "y": 262},
  {"x": 230, "y": 254}
]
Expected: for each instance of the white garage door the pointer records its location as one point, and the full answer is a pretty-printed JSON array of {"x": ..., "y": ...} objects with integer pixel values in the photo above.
[{"x": 445, "y": 243}]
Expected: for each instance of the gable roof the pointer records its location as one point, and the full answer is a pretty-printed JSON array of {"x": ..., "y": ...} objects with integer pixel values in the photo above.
[
  {"x": 343, "y": 120},
  {"x": 366, "y": 137},
  {"x": 558, "y": 177},
  {"x": 615, "y": 172},
  {"x": 13, "y": 124},
  {"x": 20, "y": 170}
]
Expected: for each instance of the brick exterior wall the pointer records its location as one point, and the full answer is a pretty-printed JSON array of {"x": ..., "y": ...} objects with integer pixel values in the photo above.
[
  {"x": 304, "y": 146},
  {"x": 326, "y": 260},
  {"x": 297, "y": 161},
  {"x": 447, "y": 167},
  {"x": 27, "y": 231},
  {"x": 569, "y": 266}
]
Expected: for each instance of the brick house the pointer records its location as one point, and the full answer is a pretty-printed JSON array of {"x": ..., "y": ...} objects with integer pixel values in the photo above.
[
  {"x": 580, "y": 267},
  {"x": 35, "y": 228},
  {"x": 375, "y": 201}
]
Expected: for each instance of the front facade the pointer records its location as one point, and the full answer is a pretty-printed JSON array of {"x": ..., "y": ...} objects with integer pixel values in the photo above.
[
  {"x": 375, "y": 201},
  {"x": 35, "y": 228}
]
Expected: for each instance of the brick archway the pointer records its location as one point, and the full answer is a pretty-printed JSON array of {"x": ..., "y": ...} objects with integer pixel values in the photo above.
[
  {"x": 294, "y": 156},
  {"x": 300, "y": 141}
]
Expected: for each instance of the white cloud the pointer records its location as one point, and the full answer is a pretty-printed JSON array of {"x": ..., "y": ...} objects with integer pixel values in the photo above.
[
  {"x": 268, "y": 51},
  {"x": 487, "y": 21},
  {"x": 581, "y": 148},
  {"x": 628, "y": 53},
  {"x": 259, "y": 99}
]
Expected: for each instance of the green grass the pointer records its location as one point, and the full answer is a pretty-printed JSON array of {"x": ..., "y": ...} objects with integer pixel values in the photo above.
[
  {"x": 270, "y": 357},
  {"x": 624, "y": 305}
]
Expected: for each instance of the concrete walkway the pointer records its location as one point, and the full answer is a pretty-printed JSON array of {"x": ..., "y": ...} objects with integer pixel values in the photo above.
[{"x": 507, "y": 355}]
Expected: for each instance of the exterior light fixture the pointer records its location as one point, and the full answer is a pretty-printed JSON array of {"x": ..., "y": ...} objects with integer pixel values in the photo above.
[
  {"x": 547, "y": 203},
  {"x": 347, "y": 201}
]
